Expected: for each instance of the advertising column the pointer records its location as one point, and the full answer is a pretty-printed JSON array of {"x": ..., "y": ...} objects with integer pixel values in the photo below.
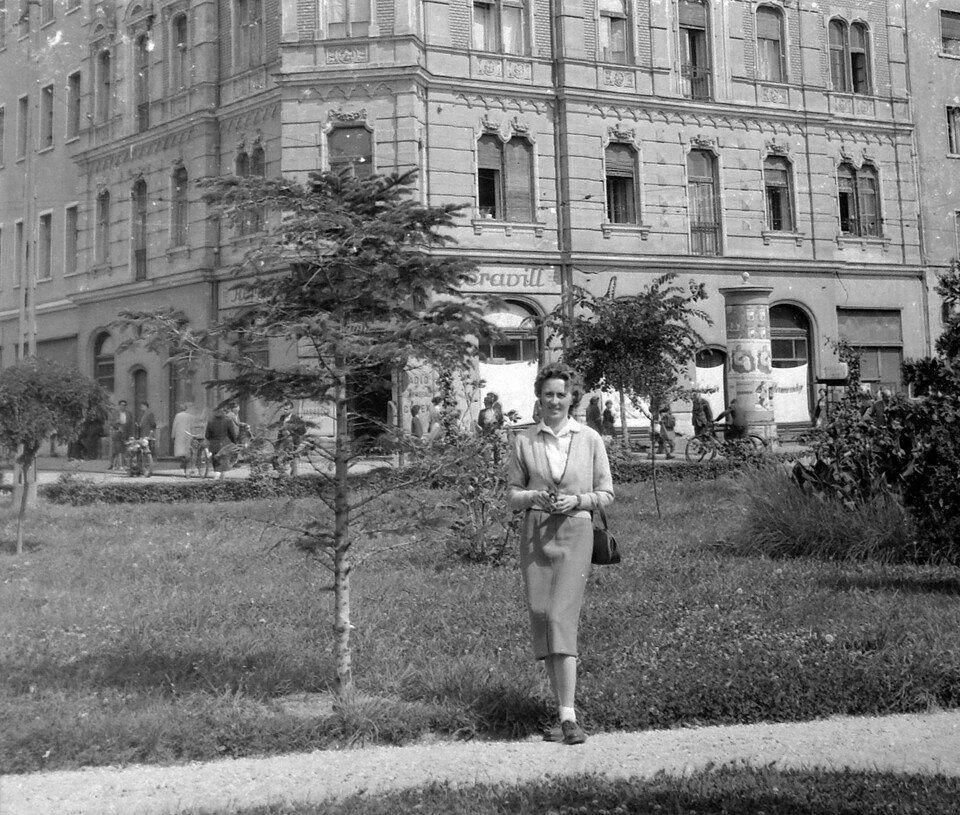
[{"x": 750, "y": 376}]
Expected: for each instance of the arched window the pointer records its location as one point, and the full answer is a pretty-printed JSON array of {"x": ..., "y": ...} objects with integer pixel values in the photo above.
[
  {"x": 179, "y": 58},
  {"x": 103, "y": 362},
  {"x": 791, "y": 351},
  {"x": 104, "y": 92},
  {"x": 771, "y": 61},
  {"x": 702, "y": 186},
  {"x": 142, "y": 81},
  {"x": 710, "y": 365},
  {"x": 778, "y": 186},
  {"x": 520, "y": 340},
  {"x": 858, "y": 200},
  {"x": 694, "y": 49},
  {"x": 179, "y": 215},
  {"x": 139, "y": 229},
  {"x": 849, "y": 57},
  {"x": 103, "y": 228}
]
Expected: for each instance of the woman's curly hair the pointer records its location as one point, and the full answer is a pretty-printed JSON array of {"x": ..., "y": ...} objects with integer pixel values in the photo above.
[{"x": 557, "y": 370}]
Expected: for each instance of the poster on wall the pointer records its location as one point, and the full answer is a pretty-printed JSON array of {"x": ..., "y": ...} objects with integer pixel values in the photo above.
[{"x": 793, "y": 394}]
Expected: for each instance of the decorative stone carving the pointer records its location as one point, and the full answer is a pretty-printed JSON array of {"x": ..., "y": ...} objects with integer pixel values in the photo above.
[
  {"x": 519, "y": 70},
  {"x": 702, "y": 143},
  {"x": 348, "y": 116},
  {"x": 773, "y": 95},
  {"x": 864, "y": 107},
  {"x": 348, "y": 54},
  {"x": 774, "y": 148},
  {"x": 618, "y": 79},
  {"x": 489, "y": 125},
  {"x": 616, "y": 134},
  {"x": 520, "y": 127},
  {"x": 489, "y": 67}
]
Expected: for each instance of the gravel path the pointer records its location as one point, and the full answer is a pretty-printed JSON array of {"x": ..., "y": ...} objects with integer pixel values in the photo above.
[{"x": 927, "y": 743}]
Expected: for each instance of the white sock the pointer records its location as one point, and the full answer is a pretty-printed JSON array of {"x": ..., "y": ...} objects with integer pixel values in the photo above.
[{"x": 568, "y": 714}]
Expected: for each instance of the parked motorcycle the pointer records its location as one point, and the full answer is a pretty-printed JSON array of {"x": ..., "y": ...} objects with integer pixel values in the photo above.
[{"x": 139, "y": 458}]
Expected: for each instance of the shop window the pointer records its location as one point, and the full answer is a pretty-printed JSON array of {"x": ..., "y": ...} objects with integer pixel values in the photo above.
[
  {"x": 704, "y": 203},
  {"x": 858, "y": 201},
  {"x": 351, "y": 151},
  {"x": 777, "y": 182},
  {"x": 500, "y": 26},
  {"x": 614, "y": 31},
  {"x": 620, "y": 162},
  {"x": 950, "y": 32},
  {"x": 694, "y": 49},
  {"x": 347, "y": 18},
  {"x": 103, "y": 361},
  {"x": 505, "y": 178},
  {"x": 139, "y": 229},
  {"x": 878, "y": 335},
  {"x": 771, "y": 62}
]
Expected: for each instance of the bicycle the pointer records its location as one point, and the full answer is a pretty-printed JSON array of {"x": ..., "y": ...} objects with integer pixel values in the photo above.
[
  {"x": 706, "y": 447},
  {"x": 200, "y": 458},
  {"x": 256, "y": 451},
  {"x": 139, "y": 458}
]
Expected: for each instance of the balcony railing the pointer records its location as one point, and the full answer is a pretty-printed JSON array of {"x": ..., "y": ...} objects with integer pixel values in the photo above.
[
  {"x": 705, "y": 239},
  {"x": 696, "y": 81}
]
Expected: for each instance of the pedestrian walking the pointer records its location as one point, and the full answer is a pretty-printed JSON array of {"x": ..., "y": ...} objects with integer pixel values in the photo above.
[
  {"x": 558, "y": 473},
  {"x": 668, "y": 431},
  {"x": 594, "y": 417},
  {"x": 182, "y": 435},
  {"x": 608, "y": 421},
  {"x": 702, "y": 416},
  {"x": 222, "y": 433}
]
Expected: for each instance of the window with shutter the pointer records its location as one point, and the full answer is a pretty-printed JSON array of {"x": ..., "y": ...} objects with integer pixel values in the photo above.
[
  {"x": 518, "y": 188},
  {"x": 770, "y": 61},
  {"x": 777, "y": 182},
  {"x": 490, "y": 177}
]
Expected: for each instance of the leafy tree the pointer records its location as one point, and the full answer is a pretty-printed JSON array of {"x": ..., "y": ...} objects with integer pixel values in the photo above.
[
  {"x": 39, "y": 397},
  {"x": 355, "y": 278},
  {"x": 637, "y": 344}
]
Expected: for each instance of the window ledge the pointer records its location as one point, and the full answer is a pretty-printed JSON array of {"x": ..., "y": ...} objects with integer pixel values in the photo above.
[
  {"x": 46, "y": 149},
  {"x": 506, "y": 227},
  {"x": 611, "y": 229},
  {"x": 945, "y": 55},
  {"x": 781, "y": 235},
  {"x": 863, "y": 241},
  {"x": 71, "y": 139},
  {"x": 174, "y": 252}
]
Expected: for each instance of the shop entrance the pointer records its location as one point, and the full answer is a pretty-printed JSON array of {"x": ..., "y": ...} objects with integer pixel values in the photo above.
[{"x": 792, "y": 365}]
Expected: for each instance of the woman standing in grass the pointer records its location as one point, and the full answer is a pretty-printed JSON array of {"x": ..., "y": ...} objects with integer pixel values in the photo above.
[{"x": 558, "y": 474}]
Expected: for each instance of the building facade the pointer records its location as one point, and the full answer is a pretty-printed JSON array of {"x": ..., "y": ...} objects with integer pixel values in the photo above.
[{"x": 768, "y": 147}]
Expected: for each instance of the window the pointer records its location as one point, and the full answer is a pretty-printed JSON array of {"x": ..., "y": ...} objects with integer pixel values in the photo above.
[
  {"x": 505, "y": 178},
  {"x": 102, "y": 248},
  {"x": 179, "y": 208},
  {"x": 142, "y": 82},
  {"x": 23, "y": 111},
  {"x": 1, "y": 256},
  {"x": 249, "y": 39},
  {"x": 351, "y": 150},
  {"x": 139, "y": 229},
  {"x": 3, "y": 23},
  {"x": 246, "y": 166},
  {"x": 771, "y": 65},
  {"x": 694, "y": 50},
  {"x": 950, "y": 32},
  {"x": 348, "y": 18},
  {"x": 46, "y": 11},
  {"x": 849, "y": 57},
  {"x": 23, "y": 21},
  {"x": 2, "y": 135},
  {"x": 19, "y": 249},
  {"x": 858, "y": 201},
  {"x": 520, "y": 337},
  {"x": 777, "y": 184},
  {"x": 179, "y": 58},
  {"x": 73, "y": 105},
  {"x": 614, "y": 28},
  {"x": 46, "y": 117},
  {"x": 500, "y": 26},
  {"x": 44, "y": 246},
  {"x": 621, "y": 174},
  {"x": 878, "y": 335},
  {"x": 71, "y": 231},
  {"x": 104, "y": 90},
  {"x": 703, "y": 202},
  {"x": 103, "y": 364},
  {"x": 953, "y": 129}
]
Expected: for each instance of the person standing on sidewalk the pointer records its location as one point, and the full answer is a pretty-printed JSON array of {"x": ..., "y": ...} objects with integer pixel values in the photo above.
[
  {"x": 558, "y": 474},
  {"x": 181, "y": 433},
  {"x": 223, "y": 434},
  {"x": 147, "y": 427}
]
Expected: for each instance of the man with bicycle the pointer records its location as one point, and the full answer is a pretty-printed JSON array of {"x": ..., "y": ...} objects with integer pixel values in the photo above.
[
  {"x": 702, "y": 416},
  {"x": 736, "y": 417}
]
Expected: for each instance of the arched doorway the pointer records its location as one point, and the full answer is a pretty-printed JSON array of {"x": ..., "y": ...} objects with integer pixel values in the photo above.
[
  {"x": 509, "y": 364},
  {"x": 790, "y": 343},
  {"x": 139, "y": 380}
]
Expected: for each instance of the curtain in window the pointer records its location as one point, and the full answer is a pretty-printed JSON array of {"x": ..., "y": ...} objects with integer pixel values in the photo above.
[
  {"x": 518, "y": 167},
  {"x": 867, "y": 200},
  {"x": 769, "y": 45},
  {"x": 838, "y": 56},
  {"x": 513, "y": 33}
]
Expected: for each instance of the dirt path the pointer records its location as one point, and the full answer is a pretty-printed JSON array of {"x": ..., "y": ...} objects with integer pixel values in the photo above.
[{"x": 912, "y": 744}]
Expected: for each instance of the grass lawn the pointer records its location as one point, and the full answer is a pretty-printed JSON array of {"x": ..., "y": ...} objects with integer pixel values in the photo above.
[
  {"x": 727, "y": 791},
  {"x": 162, "y": 633}
]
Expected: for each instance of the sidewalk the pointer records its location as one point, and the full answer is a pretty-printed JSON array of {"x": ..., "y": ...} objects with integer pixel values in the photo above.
[{"x": 925, "y": 744}]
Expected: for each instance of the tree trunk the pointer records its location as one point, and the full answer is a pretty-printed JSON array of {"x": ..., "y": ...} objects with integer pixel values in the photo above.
[
  {"x": 27, "y": 491},
  {"x": 624, "y": 431},
  {"x": 653, "y": 461},
  {"x": 341, "y": 551}
]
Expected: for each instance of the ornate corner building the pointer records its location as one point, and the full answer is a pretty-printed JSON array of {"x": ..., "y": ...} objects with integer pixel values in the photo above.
[{"x": 779, "y": 151}]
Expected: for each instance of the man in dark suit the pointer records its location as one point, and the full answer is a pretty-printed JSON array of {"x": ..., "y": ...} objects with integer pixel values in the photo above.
[{"x": 147, "y": 426}]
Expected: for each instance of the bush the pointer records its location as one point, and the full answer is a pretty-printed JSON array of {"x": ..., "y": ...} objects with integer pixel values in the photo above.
[{"x": 783, "y": 520}]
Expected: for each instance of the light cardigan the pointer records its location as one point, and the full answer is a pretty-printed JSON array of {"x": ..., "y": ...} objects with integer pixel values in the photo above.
[{"x": 587, "y": 473}]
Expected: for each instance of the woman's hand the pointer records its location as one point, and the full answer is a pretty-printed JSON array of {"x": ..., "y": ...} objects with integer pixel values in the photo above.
[
  {"x": 543, "y": 500},
  {"x": 565, "y": 503}
]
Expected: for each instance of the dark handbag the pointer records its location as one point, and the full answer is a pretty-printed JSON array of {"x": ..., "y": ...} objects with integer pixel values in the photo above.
[{"x": 606, "y": 551}]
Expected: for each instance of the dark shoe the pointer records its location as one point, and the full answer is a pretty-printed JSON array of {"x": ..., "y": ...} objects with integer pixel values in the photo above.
[
  {"x": 553, "y": 733},
  {"x": 572, "y": 733}
]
